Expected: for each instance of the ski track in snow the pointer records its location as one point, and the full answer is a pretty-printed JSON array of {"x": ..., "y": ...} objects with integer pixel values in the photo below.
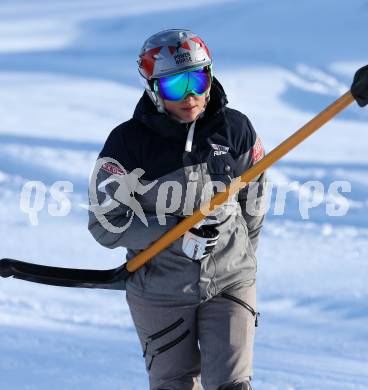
[{"x": 56, "y": 110}]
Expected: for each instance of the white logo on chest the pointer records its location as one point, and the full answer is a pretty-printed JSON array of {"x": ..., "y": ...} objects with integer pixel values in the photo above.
[{"x": 219, "y": 149}]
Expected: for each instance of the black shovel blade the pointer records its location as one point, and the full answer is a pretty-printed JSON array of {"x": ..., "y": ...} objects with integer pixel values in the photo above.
[
  {"x": 111, "y": 279},
  {"x": 359, "y": 88}
]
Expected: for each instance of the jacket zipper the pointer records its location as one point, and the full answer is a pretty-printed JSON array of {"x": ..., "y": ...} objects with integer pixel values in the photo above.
[
  {"x": 244, "y": 304},
  {"x": 161, "y": 333},
  {"x": 168, "y": 346}
]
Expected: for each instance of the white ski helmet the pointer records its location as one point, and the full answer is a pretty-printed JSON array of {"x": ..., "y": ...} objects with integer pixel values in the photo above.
[{"x": 169, "y": 52}]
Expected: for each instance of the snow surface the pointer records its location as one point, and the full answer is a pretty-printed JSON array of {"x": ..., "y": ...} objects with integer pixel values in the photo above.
[{"x": 68, "y": 76}]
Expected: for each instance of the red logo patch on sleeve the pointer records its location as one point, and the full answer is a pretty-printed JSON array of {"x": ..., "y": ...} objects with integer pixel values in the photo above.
[
  {"x": 258, "y": 151},
  {"x": 113, "y": 169}
]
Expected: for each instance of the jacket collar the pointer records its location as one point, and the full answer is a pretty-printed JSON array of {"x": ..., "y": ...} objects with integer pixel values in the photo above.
[{"x": 166, "y": 127}]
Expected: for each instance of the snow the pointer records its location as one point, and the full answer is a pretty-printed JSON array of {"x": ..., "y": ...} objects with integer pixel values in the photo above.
[{"x": 68, "y": 76}]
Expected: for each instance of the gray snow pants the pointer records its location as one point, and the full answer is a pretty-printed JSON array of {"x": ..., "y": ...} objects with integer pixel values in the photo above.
[{"x": 213, "y": 339}]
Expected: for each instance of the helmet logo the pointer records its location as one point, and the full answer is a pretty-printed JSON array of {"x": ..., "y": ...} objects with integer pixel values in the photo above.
[{"x": 181, "y": 56}]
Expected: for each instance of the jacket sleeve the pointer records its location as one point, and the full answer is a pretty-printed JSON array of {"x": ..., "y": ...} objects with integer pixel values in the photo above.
[
  {"x": 252, "y": 198},
  {"x": 116, "y": 217}
]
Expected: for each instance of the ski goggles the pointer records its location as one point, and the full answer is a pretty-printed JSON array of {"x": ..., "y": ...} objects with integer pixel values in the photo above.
[{"x": 179, "y": 86}]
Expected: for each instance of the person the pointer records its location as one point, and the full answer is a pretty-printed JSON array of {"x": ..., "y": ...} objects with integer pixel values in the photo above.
[{"x": 194, "y": 304}]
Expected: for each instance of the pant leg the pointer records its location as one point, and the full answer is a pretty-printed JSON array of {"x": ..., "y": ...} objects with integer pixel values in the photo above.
[
  {"x": 226, "y": 329},
  {"x": 168, "y": 335}
]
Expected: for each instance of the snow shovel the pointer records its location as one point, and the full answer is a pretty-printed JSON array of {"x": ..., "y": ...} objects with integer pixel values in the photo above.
[{"x": 115, "y": 278}]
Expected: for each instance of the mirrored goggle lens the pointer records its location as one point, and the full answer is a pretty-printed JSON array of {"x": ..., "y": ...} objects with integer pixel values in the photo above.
[{"x": 177, "y": 87}]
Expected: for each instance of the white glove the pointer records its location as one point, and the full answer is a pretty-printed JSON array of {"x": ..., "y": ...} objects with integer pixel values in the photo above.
[{"x": 200, "y": 241}]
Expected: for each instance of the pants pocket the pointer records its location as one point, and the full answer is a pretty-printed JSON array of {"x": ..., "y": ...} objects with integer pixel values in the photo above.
[
  {"x": 240, "y": 302},
  {"x": 167, "y": 346},
  {"x": 161, "y": 333}
]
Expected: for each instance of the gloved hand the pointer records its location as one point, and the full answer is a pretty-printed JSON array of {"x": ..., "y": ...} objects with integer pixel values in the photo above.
[
  {"x": 201, "y": 239},
  {"x": 359, "y": 88}
]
